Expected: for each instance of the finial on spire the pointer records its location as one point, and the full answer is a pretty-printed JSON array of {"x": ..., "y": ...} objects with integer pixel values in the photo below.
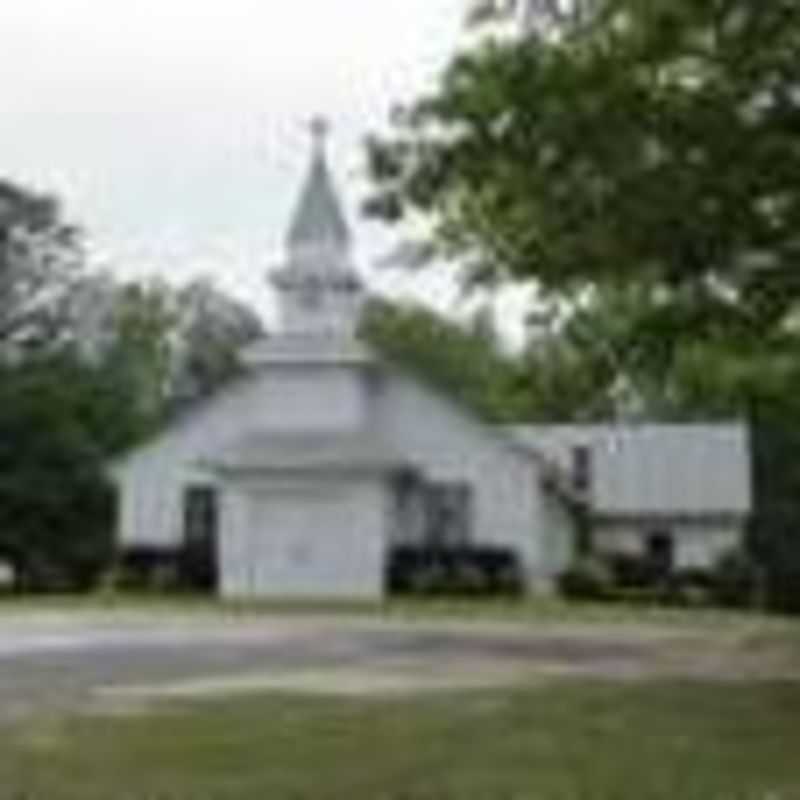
[{"x": 320, "y": 128}]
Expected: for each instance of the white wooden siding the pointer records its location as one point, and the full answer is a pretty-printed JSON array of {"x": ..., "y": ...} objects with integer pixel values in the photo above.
[
  {"x": 284, "y": 399},
  {"x": 698, "y": 544}
]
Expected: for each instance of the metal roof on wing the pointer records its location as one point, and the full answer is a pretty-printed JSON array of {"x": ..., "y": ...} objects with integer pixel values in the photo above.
[{"x": 654, "y": 469}]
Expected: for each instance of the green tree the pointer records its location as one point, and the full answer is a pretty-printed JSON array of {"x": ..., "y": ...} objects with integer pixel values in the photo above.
[
  {"x": 56, "y": 512},
  {"x": 211, "y": 330},
  {"x": 88, "y": 366},
  {"x": 165, "y": 347},
  {"x": 465, "y": 360},
  {"x": 648, "y": 141},
  {"x": 137, "y": 347},
  {"x": 540, "y": 16},
  {"x": 55, "y": 421},
  {"x": 40, "y": 260},
  {"x": 618, "y": 350}
]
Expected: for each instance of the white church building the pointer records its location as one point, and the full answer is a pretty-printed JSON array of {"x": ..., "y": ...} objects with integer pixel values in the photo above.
[{"x": 311, "y": 468}]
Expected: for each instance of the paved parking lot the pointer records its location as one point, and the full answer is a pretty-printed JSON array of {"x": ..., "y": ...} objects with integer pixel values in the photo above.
[{"x": 80, "y": 660}]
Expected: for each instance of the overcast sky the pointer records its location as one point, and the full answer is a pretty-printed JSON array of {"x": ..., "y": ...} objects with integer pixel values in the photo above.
[{"x": 175, "y": 131}]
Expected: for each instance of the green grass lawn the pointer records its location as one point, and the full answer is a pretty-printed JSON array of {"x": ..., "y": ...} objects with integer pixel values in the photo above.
[{"x": 586, "y": 741}]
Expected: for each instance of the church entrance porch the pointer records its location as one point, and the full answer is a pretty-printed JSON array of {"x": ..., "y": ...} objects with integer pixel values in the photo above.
[
  {"x": 306, "y": 514},
  {"x": 311, "y": 536}
]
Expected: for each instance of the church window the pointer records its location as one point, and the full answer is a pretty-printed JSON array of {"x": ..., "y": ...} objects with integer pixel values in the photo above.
[
  {"x": 449, "y": 509},
  {"x": 582, "y": 468}
]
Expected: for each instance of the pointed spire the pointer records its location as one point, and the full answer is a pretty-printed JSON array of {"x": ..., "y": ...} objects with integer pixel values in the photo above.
[
  {"x": 319, "y": 220},
  {"x": 320, "y": 291}
]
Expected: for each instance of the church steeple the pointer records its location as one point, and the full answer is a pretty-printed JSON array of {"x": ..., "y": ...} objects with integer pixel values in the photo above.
[
  {"x": 320, "y": 291},
  {"x": 318, "y": 220}
]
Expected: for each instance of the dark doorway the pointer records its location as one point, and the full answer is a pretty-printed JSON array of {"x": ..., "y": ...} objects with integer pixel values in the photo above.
[
  {"x": 200, "y": 531},
  {"x": 661, "y": 552},
  {"x": 582, "y": 468}
]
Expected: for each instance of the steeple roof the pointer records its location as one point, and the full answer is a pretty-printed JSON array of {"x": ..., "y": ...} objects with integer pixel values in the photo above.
[{"x": 318, "y": 219}]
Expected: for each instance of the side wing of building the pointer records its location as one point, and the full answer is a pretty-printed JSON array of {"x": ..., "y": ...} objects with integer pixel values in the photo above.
[{"x": 690, "y": 485}]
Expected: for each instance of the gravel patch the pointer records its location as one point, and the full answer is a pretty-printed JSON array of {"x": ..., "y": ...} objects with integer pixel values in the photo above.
[{"x": 52, "y": 662}]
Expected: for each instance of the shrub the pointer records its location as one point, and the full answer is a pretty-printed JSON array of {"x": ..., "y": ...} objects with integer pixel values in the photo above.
[
  {"x": 590, "y": 578},
  {"x": 689, "y": 587},
  {"x": 473, "y": 570},
  {"x": 40, "y": 575},
  {"x": 146, "y": 569},
  {"x": 110, "y": 582},
  {"x": 777, "y": 544},
  {"x": 632, "y": 571},
  {"x": 469, "y": 578},
  {"x": 736, "y": 580},
  {"x": 783, "y": 589},
  {"x": 693, "y": 577},
  {"x": 686, "y": 595},
  {"x": 508, "y": 580},
  {"x": 164, "y": 578},
  {"x": 428, "y": 579}
]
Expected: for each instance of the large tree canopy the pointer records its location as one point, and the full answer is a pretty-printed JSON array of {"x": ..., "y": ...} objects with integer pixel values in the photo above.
[{"x": 653, "y": 141}]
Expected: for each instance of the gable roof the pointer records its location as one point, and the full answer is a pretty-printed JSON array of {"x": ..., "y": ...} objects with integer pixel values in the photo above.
[
  {"x": 299, "y": 352},
  {"x": 654, "y": 469}
]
